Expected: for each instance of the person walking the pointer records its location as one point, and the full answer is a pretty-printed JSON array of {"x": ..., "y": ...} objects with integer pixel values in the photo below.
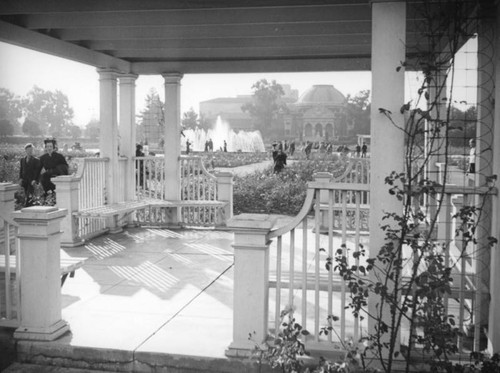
[
  {"x": 53, "y": 164},
  {"x": 364, "y": 149},
  {"x": 140, "y": 164},
  {"x": 225, "y": 147},
  {"x": 279, "y": 161},
  {"x": 29, "y": 173}
]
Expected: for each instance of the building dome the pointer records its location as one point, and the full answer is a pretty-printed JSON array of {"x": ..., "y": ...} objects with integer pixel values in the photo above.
[{"x": 323, "y": 94}]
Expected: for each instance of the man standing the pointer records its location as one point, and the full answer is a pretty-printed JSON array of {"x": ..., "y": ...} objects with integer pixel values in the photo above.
[
  {"x": 54, "y": 164},
  {"x": 29, "y": 173}
]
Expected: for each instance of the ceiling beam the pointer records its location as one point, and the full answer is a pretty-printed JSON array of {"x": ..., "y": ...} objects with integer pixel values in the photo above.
[
  {"x": 28, "y": 39},
  {"x": 339, "y": 29},
  {"x": 360, "y": 63},
  {"x": 232, "y": 42},
  {"x": 256, "y": 52}
]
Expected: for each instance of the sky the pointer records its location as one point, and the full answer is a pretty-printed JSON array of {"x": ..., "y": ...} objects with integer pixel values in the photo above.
[{"x": 21, "y": 69}]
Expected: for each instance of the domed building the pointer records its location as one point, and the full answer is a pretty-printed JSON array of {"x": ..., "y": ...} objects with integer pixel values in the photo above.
[{"x": 320, "y": 114}]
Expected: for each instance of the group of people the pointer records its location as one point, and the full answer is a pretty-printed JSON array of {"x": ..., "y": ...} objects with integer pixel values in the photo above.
[{"x": 35, "y": 170}]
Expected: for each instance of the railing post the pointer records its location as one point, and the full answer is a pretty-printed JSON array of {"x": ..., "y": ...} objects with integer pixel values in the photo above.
[
  {"x": 39, "y": 241},
  {"x": 251, "y": 281},
  {"x": 67, "y": 196},
  {"x": 325, "y": 177},
  {"x": 225, "y": 192}
]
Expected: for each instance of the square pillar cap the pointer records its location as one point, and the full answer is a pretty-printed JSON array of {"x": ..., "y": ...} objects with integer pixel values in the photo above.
[
  {"x": 39, "y": 212},
  {"x": 252, "y": 221}
]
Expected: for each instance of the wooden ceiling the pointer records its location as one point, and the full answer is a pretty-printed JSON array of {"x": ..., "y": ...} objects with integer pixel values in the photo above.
[{"x": 198, "y": 36}]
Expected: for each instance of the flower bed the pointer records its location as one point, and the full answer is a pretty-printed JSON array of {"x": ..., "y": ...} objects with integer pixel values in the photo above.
[{"x": 283, "y": 193}]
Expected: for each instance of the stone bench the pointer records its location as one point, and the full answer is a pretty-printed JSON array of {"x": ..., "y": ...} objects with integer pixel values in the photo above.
[
  {"x": 68, "y": 266},
  {"x": 116, "y": 210}
]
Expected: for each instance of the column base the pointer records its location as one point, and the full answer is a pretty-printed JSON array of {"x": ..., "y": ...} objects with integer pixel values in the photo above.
[
  {"x": 75, "y": 243},
  {"x": 240, "y": 349},
  {"x": 49, "y": 333}
]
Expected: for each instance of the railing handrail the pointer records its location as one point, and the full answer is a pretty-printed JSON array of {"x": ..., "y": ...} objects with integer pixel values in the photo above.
[
  {"x": 202, "y": 166},
  {"x": 350, "y": 166},
  {"x": 308, "y": 202}
]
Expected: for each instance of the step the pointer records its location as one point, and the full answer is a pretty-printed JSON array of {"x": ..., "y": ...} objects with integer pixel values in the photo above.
[
  {"x": 37, "y": 368},
  {"x": 55, "y": 357}
]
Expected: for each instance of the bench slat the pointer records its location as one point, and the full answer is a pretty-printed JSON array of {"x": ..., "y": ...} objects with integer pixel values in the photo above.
[{"x": 125, "y": 207}]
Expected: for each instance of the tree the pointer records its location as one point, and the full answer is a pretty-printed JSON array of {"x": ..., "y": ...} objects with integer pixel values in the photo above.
[
  {"x": 75, "y": 132},
  {"x": 10, "y": 108},
  {"x": 266, "y": 108},
  {"x": 32, "y": 128},
  {"x": 50, "y": 108},
  {"x": 358, "y": 107},
  {"x": 6, "y": 128},
  {"x": 190, "y": 119},
  {"x": 92, "y": 129}
]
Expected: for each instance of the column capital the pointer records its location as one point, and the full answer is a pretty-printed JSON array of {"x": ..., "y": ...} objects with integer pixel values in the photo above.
[
  {"x": 107, "y": 74},
  {"x": 127, "y": 78},
  {"x": 172, "y": 78}
]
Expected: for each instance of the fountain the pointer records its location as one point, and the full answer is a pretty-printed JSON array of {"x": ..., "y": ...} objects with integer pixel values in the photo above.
[{"x": 245, "y": 141}]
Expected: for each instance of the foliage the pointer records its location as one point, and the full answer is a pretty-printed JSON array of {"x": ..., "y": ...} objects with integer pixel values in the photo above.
[
  {"x": 50, "y": 109},
  {"x": 359, "y": 107},
  {"x": 6, "y": 128},
  {"x": 285, "y": 349},
  {"x": 282, "y": 193},
  {"x": 32, "y": 128},
  {"x": 10, "y": 106},
  {"x": 266, "y": 108},
  {"x": 154, "y": 109},
  {"x": 93, "y": 129},
  {"x": 230, "y": 159}
]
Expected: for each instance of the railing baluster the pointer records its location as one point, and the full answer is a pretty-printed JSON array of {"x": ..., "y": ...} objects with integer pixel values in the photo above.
[
  {"x": 317, "y": 265},
  {"x": 330, "y": 255},
  {"x": 278, "y": 288},
  {"x": 304, "y": 272},
  {"x": 291, "y": 287}
]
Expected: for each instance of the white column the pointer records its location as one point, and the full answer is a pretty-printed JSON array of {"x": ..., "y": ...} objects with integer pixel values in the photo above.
[
  {"x": 484, "y": 164},
  {"x": 494, "y": 316},
  {"x": 127, "y": 130},
  {"x": 387, "y": 141},
  {"x": 40, "y": 267},
  {"x": 108, "y": 140},
  {"x": 172, "y": 135},
  {"x": 251, "y": 276}
]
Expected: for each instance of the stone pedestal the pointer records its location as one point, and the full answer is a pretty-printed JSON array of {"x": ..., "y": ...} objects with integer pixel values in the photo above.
[
  {"x": 67, "y": 195},
  {"x": 251, "y": 278},
  {"x": 39, "y": 242}
]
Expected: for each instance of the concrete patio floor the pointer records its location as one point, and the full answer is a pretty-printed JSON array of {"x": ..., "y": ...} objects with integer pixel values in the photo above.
[{"x": 141, "y": 287}]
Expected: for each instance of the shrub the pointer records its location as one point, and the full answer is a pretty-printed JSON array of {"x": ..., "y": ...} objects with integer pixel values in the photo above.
[{"x": 283, "y": 193}]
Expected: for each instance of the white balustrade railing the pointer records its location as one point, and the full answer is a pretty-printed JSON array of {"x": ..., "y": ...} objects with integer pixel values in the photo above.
[
  {"x": 92, "y": 193},
  {"x": 300, "y": 279},
  {"x": 9, "y": 249},
  {"x": 197, "y": 184}
]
